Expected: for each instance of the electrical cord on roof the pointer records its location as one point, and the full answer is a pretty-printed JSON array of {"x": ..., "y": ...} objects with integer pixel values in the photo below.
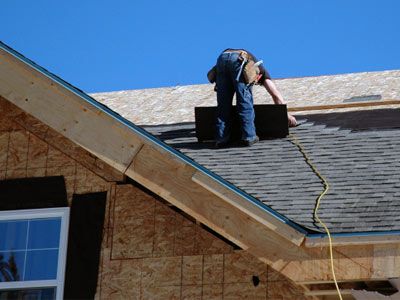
[{"x": 296, "y": 142}]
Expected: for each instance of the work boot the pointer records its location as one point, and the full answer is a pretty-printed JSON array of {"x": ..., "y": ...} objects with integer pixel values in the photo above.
[
  {"x": 219, "y": 145},
  {"x": 251, "y": 142}
]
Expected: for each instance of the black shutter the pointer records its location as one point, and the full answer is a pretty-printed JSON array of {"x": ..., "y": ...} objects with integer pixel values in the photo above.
[{"x": 84, "y": 245}]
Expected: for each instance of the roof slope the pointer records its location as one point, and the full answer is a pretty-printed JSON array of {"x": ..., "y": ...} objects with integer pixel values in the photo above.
[{"x": 357, "y": 152}]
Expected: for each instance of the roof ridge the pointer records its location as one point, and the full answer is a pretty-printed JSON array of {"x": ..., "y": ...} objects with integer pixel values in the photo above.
[{"x": 277, "y": 79}]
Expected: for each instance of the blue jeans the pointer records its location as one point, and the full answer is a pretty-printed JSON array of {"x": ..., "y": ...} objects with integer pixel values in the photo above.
[{"x": 228, "y": 67}]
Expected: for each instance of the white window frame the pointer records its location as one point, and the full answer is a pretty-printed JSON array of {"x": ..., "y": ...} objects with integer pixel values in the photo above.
[{"x": 43, "y": 213}]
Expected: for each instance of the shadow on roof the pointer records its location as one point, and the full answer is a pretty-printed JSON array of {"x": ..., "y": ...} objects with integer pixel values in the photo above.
[
  {"x": 377, "y": 119},
  {"x": 183, "y": 135}
]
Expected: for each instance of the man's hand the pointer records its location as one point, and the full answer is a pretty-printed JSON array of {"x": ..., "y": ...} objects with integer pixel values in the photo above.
[{"x": 292, "y": 120}]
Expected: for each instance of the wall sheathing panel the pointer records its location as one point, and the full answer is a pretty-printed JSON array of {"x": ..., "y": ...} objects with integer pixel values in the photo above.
[
  {"x": 153, "y": 252},
  {"x": 23, "y": 121}
]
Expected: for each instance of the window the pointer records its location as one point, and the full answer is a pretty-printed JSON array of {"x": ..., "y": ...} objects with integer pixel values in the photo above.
[{"x": 33, "y": 246}]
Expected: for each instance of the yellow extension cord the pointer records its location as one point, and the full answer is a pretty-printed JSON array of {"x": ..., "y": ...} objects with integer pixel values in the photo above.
[{"x": 296, "y": 142}]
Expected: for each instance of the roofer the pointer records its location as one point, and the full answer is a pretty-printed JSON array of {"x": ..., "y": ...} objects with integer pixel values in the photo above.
[{"x": 236, "y": 71}]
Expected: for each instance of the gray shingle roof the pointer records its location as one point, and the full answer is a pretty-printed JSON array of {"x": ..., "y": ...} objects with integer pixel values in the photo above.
[{"x": 357, "y": 152}]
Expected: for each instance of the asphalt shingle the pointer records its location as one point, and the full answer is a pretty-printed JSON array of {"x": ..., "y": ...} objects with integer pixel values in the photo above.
[{"x": 359, "y": 159}]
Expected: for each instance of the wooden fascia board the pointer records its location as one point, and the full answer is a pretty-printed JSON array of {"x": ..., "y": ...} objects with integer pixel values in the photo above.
[
  {"x": 352, "y": 263},
  {"x": 353, "y": 240},
  {"x": 66, "y": 112}
]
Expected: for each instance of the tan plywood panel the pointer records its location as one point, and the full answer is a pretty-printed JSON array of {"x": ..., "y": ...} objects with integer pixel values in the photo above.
[
  {"x": 37, "y": 153},
  {"x": 18, "y": 150},
  {"x": 4, "y": 140},
  {"x": 192, "y": 270}
]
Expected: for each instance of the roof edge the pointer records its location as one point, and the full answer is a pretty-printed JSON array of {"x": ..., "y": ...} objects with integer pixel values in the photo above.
[{"x": 173, "y": 87}]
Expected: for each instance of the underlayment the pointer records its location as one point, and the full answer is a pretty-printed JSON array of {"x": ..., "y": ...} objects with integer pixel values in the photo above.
[{"x": 176, "y": 104}]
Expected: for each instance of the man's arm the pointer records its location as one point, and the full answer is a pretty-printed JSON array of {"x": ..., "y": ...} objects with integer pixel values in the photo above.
[{"x": 277, "y": 98}]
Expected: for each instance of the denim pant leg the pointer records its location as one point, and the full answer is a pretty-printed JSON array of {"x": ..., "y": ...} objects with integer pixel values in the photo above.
[
  {"x": 244, "y": 103},
  {"x": 225, "y": 92}
]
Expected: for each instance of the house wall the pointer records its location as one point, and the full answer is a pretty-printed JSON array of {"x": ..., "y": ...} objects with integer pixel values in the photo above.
[{"x": 149, "y": 250}]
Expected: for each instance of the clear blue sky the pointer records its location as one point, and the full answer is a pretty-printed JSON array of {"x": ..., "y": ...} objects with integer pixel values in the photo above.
[{"x": 100, "y": 45}]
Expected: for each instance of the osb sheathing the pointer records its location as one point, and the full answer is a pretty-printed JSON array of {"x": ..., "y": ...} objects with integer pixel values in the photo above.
[
  {"x": 149, "y": 250},
  {"x": 171, "y": 105},
  {"x": 23, "y": 154},
  {"x": 25, "y": 126}
]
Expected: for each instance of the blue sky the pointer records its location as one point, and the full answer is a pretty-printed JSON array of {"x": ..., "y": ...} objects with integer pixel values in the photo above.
[{"x": 100, "y": 45}]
